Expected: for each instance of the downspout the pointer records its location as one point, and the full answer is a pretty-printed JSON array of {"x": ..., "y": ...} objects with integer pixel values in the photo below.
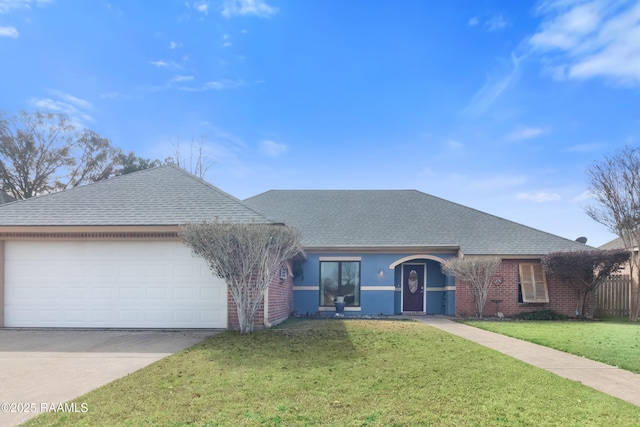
[{"x": 266, "y": 309}]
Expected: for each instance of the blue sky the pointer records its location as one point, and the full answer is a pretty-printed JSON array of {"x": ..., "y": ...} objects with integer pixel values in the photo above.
[{"x": 498, "y": 105}]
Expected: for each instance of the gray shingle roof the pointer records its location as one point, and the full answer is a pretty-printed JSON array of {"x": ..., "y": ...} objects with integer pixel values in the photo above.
[
  {"x": 616, "y": 243},
  {"x": 166, "y": 195},
  {"x": 342, "y": 218}
]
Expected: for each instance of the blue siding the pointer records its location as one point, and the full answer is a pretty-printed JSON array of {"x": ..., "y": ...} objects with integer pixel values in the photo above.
[
  {"x": 378, "y": 302},
  {"x": 386, "y": 301},
  {"x": 305, "y": 302},
  {"x": 451, "y": 303}
]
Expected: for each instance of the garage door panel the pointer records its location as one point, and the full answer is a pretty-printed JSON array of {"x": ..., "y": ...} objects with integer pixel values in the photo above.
[{"x": 110, "y": 284}]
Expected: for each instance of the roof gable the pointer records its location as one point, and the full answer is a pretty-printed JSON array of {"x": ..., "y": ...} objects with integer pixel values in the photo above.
[
  {"x": 166, "y": 195},
  {"x": 343, "y": 218}
]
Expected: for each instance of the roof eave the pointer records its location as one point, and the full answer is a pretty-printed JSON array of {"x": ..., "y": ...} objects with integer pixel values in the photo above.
[{"x": 383, "y": 248}]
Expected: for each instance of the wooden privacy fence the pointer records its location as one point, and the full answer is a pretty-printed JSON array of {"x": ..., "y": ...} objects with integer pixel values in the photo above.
[{"x": 612, "y": 297}]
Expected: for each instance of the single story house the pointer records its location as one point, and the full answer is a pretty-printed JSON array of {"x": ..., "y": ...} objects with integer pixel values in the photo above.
[
  {"x": 108, "y": 255},
  {"x": 383, "y": 251}
]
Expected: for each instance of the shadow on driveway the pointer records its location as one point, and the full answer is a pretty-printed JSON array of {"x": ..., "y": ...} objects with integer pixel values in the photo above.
[{"x": 100, "y": 341}]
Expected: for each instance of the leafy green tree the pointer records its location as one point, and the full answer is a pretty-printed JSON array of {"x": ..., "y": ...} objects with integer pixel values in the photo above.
[{"x": 129, "y": 163}]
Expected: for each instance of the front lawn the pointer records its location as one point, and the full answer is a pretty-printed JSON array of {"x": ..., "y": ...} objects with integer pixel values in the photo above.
[
  {"x": 344, "y": 373},
  {"x": 613, "y": 343}
]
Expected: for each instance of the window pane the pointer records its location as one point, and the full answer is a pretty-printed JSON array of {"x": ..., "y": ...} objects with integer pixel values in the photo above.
[
  {"x": 329, "y": 279},
  {"x": 350, "y": 283},
  {"x": 533, "y": 283},
  {"x": 340, "y": 278}
]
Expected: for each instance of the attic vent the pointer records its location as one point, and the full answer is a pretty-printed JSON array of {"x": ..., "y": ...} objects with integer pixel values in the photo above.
[{"x": 582, "y": 240}]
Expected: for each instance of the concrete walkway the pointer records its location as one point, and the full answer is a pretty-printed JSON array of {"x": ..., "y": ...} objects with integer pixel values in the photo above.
[{"x": 616, "y": 382}]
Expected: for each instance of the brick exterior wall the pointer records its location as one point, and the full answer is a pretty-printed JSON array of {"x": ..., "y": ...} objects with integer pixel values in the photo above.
[
  {"x": 281, "y": 298},
  {"x": 280, "y": 303},
  {"x": 562, "y": 299}
]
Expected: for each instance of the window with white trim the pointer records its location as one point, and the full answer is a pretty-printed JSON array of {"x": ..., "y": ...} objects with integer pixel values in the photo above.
[
  {"x": 533, "y": 283},
  {"x": 340, "y": 278}
]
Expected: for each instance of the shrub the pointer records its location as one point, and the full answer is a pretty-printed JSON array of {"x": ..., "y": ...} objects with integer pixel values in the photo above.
[{"x": 541, "y": 315}]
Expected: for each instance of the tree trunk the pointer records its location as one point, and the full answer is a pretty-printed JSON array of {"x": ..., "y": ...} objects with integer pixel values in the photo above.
[
  {"x": 634, "y": 300},
  {"x": 245, "y": 319},
  {"x": 634, "y": 292},
  {"x": 480, "y": 299},
  {"x": 582, "y": 298}
]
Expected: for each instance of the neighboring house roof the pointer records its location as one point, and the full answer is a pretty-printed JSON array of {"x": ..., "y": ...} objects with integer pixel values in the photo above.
[
  {"x": 379, "y": 218},
  {"x": 5, "y": 198},
  {"x": 616, "y": 243},
  {"x": 166, "y": 195}
]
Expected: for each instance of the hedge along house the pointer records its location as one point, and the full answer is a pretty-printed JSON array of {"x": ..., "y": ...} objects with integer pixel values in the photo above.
[
  {"x": 383, "y": 250},
  {"x": 108, "y": 255}
]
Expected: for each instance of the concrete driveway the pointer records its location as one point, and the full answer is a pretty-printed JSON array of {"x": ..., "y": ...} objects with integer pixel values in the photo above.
[{"x": 41, "y": 369}]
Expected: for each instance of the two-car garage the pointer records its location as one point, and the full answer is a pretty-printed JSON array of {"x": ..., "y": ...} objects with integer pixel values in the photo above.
[
  {"x": 109, "y": 284},
  {"x": 109, "y": 255}
]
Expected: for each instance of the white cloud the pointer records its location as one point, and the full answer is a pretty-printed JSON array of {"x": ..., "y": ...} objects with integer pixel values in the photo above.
[
  {"x": 215, "y": 85},
  {"x": 178, "y": 79},
  {"x": 174, "y": 45},
  {"x": 258, "y": 8},
  {"x": 159, "y": 63},
  {"x": 525, "y": 133},
  {"x": 493, "y": 88},
  {"x": 539, "y": 197},
  {"x": 495, "y": 23},
  {"x": 114, "y": 95},
  {"x": 73, "y": 100},
  {"x": 8, "y": 32},
  {"x": 585, "y": 195},
  {"x": 454, "y": 144},
  {"x": 223, "y": 84},
  {"x": 590, "y": 38},
  {"x": 584, "y": 148},
  {"x": 272, "y": 148},
  {"x": 202, "y": 7},
  {"x": 7, "y": 5},
  {"x": 226, "y": 40},
  {"x": 63, "y": 103},
  {"x": 164, "y": 64}
]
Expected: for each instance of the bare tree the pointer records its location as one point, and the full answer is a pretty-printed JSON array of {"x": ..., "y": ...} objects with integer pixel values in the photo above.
[
  {"x": 476, "y": 273},
  {"x": 615, "y": 185},
  {"x": 198, "y": 161},
  {"x": 45, "y": 152},
  {"x": 584, "y": 271},
  {"x": 246, "y": 256}
]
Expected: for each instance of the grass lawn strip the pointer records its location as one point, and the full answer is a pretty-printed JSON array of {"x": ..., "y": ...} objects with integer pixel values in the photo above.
[
  {"x": 616, "y": 344},
  {"x": 344, "y": 373}
]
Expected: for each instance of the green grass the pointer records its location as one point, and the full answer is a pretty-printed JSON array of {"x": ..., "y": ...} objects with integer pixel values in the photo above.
[
  {"x": 613, "y": 342},
  {"x": 344, "y": 373}
]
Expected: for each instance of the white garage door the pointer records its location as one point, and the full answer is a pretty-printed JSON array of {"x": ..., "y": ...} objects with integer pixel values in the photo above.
[{"x": 110, "y": 285}]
